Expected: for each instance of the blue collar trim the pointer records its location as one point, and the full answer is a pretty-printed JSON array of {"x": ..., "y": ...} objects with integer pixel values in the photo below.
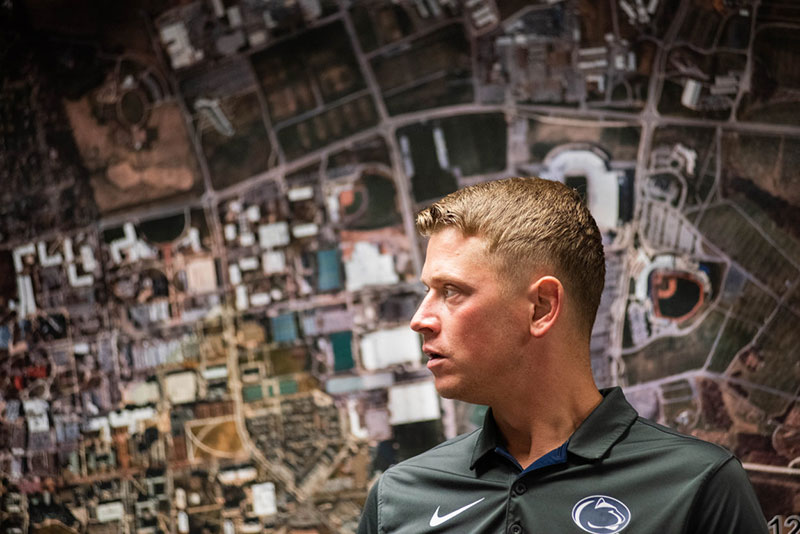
[{"x": 556, "y": 456}]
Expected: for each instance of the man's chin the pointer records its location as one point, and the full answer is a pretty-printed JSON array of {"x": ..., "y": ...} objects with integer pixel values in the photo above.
[
  {"x": 446, "y": 394},
  {"x": 448, "y": 390},
  {"x": 445, "y": 390}
]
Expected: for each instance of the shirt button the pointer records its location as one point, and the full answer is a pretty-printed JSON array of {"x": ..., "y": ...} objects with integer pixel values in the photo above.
[
  {"x": 520, "y": 488},
  {"x": 516, "y": 528}
]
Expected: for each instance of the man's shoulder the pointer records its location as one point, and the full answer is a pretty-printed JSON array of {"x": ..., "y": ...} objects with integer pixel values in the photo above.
[
  {"x": 452, "y": 457},
  {"x": 650, "y": 437}
]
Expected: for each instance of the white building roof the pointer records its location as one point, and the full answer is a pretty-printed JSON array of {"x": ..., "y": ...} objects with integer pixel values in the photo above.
[
  {"x": 181, "y": 387},
  {"x": 237, "y": 476},
  {"x": 367, "y": 266},
  {"x": 176, "y": 40},
  {"x": 305, "y": 230},
  {"x": 273, "y": 261},
  {"x": 273, "y": 235},
  {"x": 216, "y": 372},
  {"x": 300, "y": 193},
  {"x": 389, "y": 347},
  {"x": 139, "y": 393},
  {"x": 411, "y": 403},
  {"x": 602, "y": 184},
  {"x": 201, "y": 275},
  {"x": 46, "y": 259},
  {"x": 110, "y": 511},
  {"x": 264, "y": 502}
]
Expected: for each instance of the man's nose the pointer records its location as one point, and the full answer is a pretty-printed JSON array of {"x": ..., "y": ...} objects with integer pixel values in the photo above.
[{"x": 425, "y": 318}]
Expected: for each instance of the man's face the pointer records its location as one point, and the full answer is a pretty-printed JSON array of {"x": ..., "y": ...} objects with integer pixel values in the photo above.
[{"x": 473, "y": 324}]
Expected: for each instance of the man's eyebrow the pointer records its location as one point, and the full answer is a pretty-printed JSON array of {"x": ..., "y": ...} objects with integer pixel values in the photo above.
[
  {"x": 442, "y": 279},
  {"x": 434, "y": 279}
]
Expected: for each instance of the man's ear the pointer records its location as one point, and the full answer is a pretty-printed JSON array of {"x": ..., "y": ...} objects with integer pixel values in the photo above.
[{"x": 546, "y": 296}]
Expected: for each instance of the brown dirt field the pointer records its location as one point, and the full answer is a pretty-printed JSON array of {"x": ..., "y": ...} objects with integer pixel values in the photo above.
[
  {"x": 123, "y": 177},
  {"x": 221, "y": 437}
]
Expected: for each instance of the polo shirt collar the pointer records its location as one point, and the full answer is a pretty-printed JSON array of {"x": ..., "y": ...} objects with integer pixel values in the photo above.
[
  {"x": 592, "y": 440},
  {"x": 488, "y": 439},
  {"x": 604, "y": 427}
]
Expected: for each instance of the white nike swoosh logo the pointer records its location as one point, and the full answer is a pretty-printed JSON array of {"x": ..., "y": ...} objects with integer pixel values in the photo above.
[{"x": 436, "y": 520}]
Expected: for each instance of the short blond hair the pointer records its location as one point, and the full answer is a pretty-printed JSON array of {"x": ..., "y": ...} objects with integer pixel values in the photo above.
[{"x": 530, "y": 221}]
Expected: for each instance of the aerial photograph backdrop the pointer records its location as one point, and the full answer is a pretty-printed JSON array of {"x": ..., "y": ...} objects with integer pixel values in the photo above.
[{"x": 208, "y": 258}]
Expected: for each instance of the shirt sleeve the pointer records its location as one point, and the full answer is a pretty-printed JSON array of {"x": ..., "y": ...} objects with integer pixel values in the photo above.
[
  {"x": 369, "y": 516},
  {"x": 728, "y": 504}
]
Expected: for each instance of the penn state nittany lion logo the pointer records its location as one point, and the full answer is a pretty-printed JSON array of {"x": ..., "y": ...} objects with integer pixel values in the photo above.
[{"x": 600, "y": 514}]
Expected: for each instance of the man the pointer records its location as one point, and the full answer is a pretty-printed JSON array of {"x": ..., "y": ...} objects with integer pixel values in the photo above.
[{"x": 514, "y": 271}]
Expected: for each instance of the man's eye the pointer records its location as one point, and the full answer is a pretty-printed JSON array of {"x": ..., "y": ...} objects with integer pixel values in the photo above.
[{"x": 448, "y": 292}]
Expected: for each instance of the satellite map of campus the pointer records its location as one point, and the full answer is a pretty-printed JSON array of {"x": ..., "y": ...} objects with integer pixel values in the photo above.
[{"x": 208, "y": 259}]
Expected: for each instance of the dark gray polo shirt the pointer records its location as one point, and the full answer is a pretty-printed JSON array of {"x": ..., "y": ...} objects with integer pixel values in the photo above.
[{"x": 620, "y": 472}]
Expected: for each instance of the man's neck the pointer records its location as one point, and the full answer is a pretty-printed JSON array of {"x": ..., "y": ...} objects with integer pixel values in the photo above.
[{"x": 544, "y": 419}]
